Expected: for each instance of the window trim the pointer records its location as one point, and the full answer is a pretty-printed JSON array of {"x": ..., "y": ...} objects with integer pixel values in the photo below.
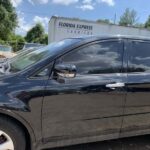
[
  {"x": 131, "y": 42},
  {"x": 50, "y": 66},
  {"x": 53, "y": 62},
  {"x": 96, "y": 42}
]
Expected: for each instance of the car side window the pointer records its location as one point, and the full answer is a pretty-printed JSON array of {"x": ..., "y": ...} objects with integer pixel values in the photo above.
[
  {"x": 139, "y": 57},
  {"x": 100, "y": 58},
  {"x": 43, "y": 73}
]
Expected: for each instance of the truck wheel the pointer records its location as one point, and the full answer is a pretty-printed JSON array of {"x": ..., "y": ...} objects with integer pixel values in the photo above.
[{"x": 11, "y": 136}]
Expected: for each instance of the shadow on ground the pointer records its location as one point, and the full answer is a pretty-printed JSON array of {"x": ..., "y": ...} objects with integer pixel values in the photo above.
[{"x": 134, "y": 143}]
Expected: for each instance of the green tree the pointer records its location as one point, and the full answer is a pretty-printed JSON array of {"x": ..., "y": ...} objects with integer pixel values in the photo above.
[
  {"x": 44, "y": 39},
  {"x": 17, "y": 42},
  {"x": 103, "y": 21},
  {"x": 8, "y": 19},
  {"x": 129, "y": 18},
  {"x": 36, "y": 34},
  {"x": 147, "y": 23},
  {"x": 139, "y": 25},
  {"x": 2, "y": 42}
]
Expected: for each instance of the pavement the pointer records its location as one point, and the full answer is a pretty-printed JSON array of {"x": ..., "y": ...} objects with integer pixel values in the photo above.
[{"x": 133, "y": 143}]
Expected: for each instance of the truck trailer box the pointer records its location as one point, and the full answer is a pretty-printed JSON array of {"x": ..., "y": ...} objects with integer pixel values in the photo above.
[{"x": 61, "y": 28}]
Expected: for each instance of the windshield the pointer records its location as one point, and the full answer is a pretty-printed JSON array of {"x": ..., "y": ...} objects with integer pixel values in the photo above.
[
  {"x": 22, "y": 53},
  {"x": 24, "y": 61},
  {"x": 32, "y": 45}
]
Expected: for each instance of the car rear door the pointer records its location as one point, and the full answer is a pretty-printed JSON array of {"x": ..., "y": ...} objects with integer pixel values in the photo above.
[
  {"x": 137, "y": 109},
  {"x": 89, "y": 106}
]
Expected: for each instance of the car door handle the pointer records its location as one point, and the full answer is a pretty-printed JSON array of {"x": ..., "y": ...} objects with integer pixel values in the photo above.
[{"x": 115, "y": 85}]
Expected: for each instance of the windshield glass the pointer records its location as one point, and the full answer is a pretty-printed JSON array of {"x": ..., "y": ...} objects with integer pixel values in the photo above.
[
  {"x": 23, "y": 52},
  {"x": 33, "y": 57}
]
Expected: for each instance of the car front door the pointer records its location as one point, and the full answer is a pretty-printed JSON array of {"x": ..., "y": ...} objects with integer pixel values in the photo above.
[
  {"x": 137, "y": 109},
  {"x": 90, "y": 105}
]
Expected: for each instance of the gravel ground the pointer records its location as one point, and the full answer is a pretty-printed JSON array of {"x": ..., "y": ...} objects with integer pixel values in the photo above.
[{"x": 134, "y": 143}]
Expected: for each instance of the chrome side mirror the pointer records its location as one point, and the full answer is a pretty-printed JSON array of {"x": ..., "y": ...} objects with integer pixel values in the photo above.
[{"x": 65, "y": 70}]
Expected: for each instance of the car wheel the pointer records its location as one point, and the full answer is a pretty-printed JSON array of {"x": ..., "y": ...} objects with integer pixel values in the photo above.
[{"x": 11, "y": 135}]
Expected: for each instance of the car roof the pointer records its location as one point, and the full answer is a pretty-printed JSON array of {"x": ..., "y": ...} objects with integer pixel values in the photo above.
[{"x": 113, "y": 37}]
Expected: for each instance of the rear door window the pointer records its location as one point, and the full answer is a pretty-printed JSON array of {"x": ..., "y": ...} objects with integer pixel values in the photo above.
[{"x": 139, "y": 57}]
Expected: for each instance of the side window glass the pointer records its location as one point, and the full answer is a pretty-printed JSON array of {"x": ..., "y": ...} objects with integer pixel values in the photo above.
[
  {"x": 104, "y": 57},
  {"x": 139, "y": 57},
  {"x": 43, "y": 73}
]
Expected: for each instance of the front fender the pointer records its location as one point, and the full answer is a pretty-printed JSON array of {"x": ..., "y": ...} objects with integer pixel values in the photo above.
[{"x": 13, "y": 115}]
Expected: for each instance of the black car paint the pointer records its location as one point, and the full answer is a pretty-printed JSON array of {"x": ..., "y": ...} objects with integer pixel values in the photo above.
[
  {"x": 137, "y": 108},
  {"x": 26, "y": 98}
]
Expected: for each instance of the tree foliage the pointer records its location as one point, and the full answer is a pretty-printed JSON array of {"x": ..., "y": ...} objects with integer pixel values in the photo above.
[
  {"x": 8, "y": 19},
  {"x": 36, "y": 35},
  {"x": 103, "y": 21},
  {"x": 17, "y": 42},
  {"x": 129, "y": 18},
  {"x": 139, "y": 25},
  {"x": 147, "y": 23},
  {"x": 44, "y": 39}
]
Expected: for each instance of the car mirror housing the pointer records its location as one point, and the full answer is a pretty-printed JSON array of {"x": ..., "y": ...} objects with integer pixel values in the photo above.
[{"x": 65, "y": 70}]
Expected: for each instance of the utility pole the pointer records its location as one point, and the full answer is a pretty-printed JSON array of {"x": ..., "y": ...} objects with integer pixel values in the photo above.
[{"x": 115, "y": 18}]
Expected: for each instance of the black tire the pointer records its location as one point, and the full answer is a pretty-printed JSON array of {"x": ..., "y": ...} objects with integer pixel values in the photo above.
[{"x": 14, "y": 131}]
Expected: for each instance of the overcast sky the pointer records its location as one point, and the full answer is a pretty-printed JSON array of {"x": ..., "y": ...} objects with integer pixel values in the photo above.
[{"x": 32, "y": 11}]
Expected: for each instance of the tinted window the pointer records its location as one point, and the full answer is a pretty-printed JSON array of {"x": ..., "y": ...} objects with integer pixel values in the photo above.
[
  {"x": 98, "y": 58},
  {"x": 139, "y": 57},
  {"x": 35, "y": 56}
]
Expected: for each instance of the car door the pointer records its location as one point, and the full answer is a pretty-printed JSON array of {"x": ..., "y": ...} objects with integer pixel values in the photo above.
[
  {"x": 137, "y": 109},
  {"x": 90, "y": 105}
]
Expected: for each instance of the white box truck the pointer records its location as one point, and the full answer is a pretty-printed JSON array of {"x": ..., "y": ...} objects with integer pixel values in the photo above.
[{"x": 60, "y": 28}]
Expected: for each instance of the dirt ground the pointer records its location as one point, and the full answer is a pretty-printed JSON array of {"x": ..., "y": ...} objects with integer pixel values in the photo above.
[{"x": 134, "y": 143}]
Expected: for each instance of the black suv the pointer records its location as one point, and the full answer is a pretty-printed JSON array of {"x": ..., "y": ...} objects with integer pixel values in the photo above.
[{"x": 75, "y": 91}]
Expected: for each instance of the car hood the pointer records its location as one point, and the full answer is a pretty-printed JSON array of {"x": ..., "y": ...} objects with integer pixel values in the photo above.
[
  {"x": 6, "y": 76},
  {"x": 8, "y": 89}
]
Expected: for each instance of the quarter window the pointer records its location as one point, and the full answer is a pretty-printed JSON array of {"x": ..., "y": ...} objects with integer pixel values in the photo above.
[
  {"x": 104, "y": 57},
  {"x": 139, "y": 57}
]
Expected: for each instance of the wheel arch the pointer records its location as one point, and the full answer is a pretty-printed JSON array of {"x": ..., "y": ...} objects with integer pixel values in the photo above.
[{"x": 24, "y": 125}]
